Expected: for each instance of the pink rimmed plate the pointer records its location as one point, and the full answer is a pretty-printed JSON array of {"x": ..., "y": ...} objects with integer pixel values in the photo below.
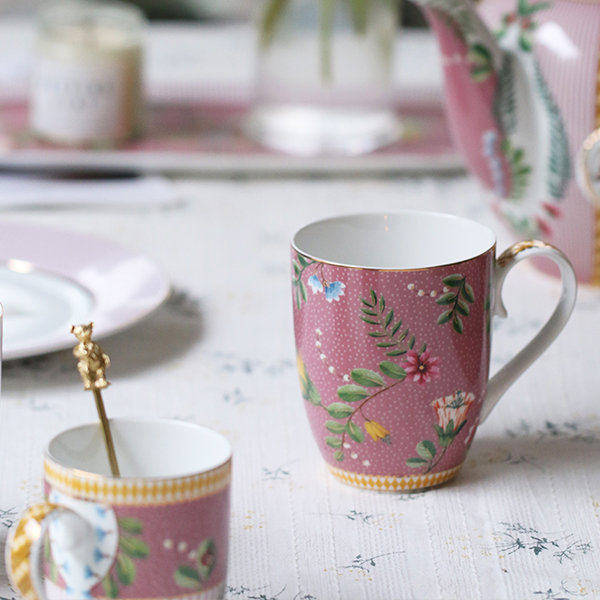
[{"x": 52, "y": 279}]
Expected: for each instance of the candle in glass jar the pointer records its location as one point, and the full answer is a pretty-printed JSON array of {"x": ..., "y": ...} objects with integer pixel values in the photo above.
[{"x": 86, "y": 84}]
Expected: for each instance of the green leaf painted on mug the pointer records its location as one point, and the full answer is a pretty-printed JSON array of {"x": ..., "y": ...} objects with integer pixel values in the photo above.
[
  {"x": 339, "y": 411},
  {"x": 187, "y": 577},
  {"x": 367, "y": 377},
  {"x": 355, "y": 432},
  {"x": 453, "y": 280},
  {"x": 415, "y": 462},
  {"x": 426, "y": 449},
  {"x": 444, "y": 317},
  {"x": 392, "y": 370},
  {"x": 334, "y": 442},
  {"x": 125, "y": 569},
  {"x": 131, "y": 525},
  {"x": 352, "y": 393},
  {"x": 133, "y": 547},
  {"x": 446, "y": 299},
  {"x": 335, "y": 427},
  {"x": 111, "y": 589}
]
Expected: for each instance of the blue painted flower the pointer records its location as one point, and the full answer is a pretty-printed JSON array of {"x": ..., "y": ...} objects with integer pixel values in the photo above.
[
  {"x": 334, "y": 290},
  {"x": 315, "y": 284}
]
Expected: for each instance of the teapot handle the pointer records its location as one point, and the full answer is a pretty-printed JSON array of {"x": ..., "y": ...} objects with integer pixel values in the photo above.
[
  {"x": 506, "y": 376},
  {"x": 588, "y": 167}
]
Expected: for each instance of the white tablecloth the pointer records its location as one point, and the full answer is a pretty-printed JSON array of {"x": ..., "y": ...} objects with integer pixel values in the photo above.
[{"x": 522, "y": 519}]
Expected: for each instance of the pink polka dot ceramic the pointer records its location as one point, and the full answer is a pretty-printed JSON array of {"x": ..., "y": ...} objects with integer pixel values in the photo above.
[{"x": 392, "y": 319}]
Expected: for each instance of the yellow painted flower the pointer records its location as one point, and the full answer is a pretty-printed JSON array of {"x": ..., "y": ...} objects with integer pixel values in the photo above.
[
  {"x": 377, "y": 431},
  {"x": 300, "y": 367}
]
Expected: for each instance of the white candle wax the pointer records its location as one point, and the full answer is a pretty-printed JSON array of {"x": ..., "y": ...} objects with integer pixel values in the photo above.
[{"x": 86, "y": 84}]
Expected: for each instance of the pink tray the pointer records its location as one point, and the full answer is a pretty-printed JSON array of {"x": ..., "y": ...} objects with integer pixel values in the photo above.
[{"x": 207, "y": 137}]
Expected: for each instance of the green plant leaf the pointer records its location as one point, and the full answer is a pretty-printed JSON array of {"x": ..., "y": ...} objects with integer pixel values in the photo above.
[
  {"x": 445, "y": 299},
  {"x": 334, "y": 442},
  {"x": 453, "y": 280},
  {"x": 352, "y": 393},
  {"x": 337, "y": 410},
  {"x": 392, "y": 370},
  {"x": 377, "y": 334},
  {"x": 335, "y": 427},
  {"x": 187, "y": 577},
  {"x": 297, "y": 268},
  {"x": 355, "y": 432},
  {"x": 388, "y": 319},
  {"x": 368, "y": 312},
  {"x": 133, "y": 547},
  {"x": 396, "y": 328},
  {"x": 131, "y": 525},
  {"x": 460, "y": 427},
  {"x": 374, "y": 298},
  {"x": 303, "y": 261},
  {"x": 125, "y": 569},
  {"x": 110, "y": 587},
  {"x": 468, "y": 293},
  {"x": 395, "y": 353},
  {"x": 411, "y": 342},
  {"x": 207, "y": 558},
  {"x": 462, "y": 308},
  {"x": 367, "y": 377},
  {"x": 303, "y": 290},
  {"x": 415, "y": 462},
  {"x": 457, "y": 324},
  {"x": 339, "y": 455},
  {"x": 426, "y": 449},
  {"x": 386, "y": 344}
]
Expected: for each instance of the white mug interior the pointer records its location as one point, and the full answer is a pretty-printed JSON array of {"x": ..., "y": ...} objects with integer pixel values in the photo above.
[
  {"x": 396, "y": 241},
  {"x": 144, "y": 448}
]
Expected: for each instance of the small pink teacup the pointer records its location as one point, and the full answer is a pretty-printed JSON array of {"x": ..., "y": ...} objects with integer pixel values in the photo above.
[
  {"x": 158, "y": 531},
  {"x": 392, "y": 318}
]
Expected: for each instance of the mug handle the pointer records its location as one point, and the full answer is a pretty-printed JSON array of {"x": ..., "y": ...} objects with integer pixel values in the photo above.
[{"x": 507, "y": 375}]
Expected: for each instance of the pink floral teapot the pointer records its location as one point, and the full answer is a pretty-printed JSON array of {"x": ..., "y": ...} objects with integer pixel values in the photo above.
[{"x": 523, "y": 99}]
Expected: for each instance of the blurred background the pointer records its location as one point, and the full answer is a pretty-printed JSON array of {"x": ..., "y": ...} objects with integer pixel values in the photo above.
[{"x": 194, "y": 9}]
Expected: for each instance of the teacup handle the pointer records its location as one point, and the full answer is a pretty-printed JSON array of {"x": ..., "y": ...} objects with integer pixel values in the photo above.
[
  {"x": 24, "y": 547},
  {"x": 513, "y": 369}
]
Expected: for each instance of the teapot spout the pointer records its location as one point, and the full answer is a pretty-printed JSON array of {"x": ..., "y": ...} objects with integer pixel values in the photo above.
[{"x": 503, "y": 117}]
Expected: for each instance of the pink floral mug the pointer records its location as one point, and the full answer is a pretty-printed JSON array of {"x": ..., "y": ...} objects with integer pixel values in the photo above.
[
  {"x": 392, "y": 317},
  {"x": 158, "y": 531}
]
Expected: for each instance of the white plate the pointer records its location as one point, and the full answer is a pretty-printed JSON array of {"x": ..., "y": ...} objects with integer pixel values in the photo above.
[{"x": 52, "y": 279}]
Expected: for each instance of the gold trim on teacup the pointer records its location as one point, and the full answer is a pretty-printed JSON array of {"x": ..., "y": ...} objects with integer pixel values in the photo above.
[
  {"x": 389, "y": 483},
  {"x": 136, "y": 491}
]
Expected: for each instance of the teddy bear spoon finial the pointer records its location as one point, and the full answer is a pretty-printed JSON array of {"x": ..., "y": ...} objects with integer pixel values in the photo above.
[{"x": 92, "y": 364}]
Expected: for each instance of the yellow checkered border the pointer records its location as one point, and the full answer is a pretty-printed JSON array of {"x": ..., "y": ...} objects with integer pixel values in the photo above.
[
  {"x": 387, "y": 483},
  {"x": 132, "y": 491},
  {"x": 20, "y": 539}
]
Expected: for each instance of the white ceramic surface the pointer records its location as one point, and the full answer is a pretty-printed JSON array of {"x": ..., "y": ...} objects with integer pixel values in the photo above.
[{"x": 51, "y": 279}]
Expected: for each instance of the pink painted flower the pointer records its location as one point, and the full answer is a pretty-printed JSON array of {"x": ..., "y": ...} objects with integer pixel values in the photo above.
[
  {"x": 421, "y": 367},
  {"x": 453, "y": 408}
]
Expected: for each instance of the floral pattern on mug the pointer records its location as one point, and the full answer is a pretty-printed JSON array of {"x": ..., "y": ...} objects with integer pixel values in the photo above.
[
  {"x": 451, "y": 412},
  {"x": 348, "y": 419},
  {"x": 193, "y": 577}
]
